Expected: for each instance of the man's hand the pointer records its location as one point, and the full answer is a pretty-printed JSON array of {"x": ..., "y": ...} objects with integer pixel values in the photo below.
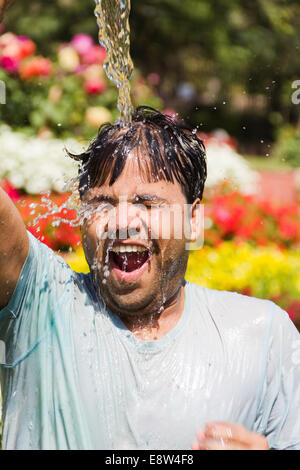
[{"x": 228, "y": 436}]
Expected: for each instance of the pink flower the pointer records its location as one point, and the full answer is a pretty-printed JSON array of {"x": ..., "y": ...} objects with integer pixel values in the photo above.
[
  {"x": 7, "y": 38},
  {"x": 95, "y": 86},
  {"x": 10, "y": 64},
  {"x": 95, "y": 55},
  {"x": 171, "y": 112},
  {"x": 82, "y": 43},
  {"x": 153, "y": 78},
  {"x": 79, "y": 69},
  {"x": 15, "y": 48},
  {"x": 12, "y": 192},
  {"x": 294, "y": 310}
]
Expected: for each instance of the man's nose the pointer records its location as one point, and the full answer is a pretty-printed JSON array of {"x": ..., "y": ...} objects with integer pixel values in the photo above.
[{"x": 129, "y": 220}]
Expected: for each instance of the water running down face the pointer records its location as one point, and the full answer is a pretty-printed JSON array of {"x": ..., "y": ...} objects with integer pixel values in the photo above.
[
  {"x": 135, "y": 181},
  {"x": 138, "y": 270}
]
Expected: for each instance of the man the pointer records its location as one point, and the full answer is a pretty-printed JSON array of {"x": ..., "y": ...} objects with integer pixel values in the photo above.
[{"x": 131, "y": 356}]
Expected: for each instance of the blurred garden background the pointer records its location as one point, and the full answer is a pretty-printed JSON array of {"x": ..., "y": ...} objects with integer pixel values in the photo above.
[{"x": 227, "y": 69}]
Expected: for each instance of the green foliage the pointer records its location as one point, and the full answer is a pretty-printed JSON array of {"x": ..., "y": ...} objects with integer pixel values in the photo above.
[
  {"x": 225, "y": 49},
  {"x": 59, "y": 102},
  {"x": 54, "y": 22},
  {"x": 287, "y": 148},
  {"x": 195, "y": 39}
]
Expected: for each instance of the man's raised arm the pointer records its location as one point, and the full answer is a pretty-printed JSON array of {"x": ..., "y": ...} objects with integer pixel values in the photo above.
[{"x": 14, "y": 246}]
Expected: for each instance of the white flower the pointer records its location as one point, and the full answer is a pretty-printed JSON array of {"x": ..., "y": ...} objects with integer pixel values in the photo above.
[
  {"x": 36, "y": 164},
  {"x": 223, "y": 163}
]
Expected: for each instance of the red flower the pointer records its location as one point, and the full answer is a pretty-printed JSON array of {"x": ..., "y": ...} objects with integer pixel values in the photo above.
[
  {"x": 95, "y": 55},
  {"x": 35, "y": 67},
  {"x": 289, "y": 229},
  {"x": 26, "y": 46},
  {"x": 95, "y": 86},
  {"x": 13, "y": 193},
  {"x": 171, "y": 112},
  {"x": 14, "y": 49},
  {"x": 294, "y": 310},
  {"x": 246, "y": 291},
  {"x": 227, "y": 213},
  {"x": 56, "y": 237}
]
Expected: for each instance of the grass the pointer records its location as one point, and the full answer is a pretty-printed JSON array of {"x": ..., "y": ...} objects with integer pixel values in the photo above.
[{"x": 267, "y": 163}]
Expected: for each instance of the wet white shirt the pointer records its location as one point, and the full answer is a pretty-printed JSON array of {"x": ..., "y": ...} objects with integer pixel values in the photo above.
[{"x": 74, "y": 377}]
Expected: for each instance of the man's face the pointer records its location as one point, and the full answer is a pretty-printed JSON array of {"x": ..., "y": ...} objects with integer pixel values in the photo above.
[{"x": 134, "y": 238}]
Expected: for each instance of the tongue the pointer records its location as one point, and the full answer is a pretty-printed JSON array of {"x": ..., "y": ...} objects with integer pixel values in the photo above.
[{"x": 130, "y": 261}]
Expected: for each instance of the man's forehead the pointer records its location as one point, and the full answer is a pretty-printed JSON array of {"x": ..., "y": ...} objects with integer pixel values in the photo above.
[
  {"x": 134, "y": 179},
  {"x": 159, "y": 191}
]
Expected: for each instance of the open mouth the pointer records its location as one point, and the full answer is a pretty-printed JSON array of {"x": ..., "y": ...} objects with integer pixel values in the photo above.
[{"x": 129, "y": 258}]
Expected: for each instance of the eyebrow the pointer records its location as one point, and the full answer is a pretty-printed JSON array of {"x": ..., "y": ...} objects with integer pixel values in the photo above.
[
  {"x": 102, "y": 198},
  {"x": 135, "y": 198},
  {"x": 148, "y": 197}
]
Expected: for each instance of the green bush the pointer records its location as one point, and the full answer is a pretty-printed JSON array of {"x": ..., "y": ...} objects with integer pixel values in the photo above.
[
  {"x": 287, "y": 147},
  {"x": 56, "y": 96}
]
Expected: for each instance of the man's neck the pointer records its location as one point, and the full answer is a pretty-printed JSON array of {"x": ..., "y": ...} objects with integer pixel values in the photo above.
[{"x": 155, "y": 327}]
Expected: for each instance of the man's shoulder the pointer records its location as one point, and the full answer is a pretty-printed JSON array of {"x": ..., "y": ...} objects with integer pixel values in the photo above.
[
  {"x": 49, "y": 270},
  {"x": 236, "y": 307},
  {"x": 84, "y": 284}
]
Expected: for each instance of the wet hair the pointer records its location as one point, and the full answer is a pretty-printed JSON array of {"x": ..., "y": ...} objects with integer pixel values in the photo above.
[{"x": 165, "y": 150}]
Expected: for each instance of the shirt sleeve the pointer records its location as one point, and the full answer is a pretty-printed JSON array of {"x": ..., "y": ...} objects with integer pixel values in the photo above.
[
  {"x": 280, "y": 404},
  {"x": 40, "y": 291}
]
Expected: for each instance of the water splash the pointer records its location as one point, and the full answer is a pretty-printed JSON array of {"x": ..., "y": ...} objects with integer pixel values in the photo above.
[
  {"x": 114, "y": 35},
  {"x": 48, "y": 208}
]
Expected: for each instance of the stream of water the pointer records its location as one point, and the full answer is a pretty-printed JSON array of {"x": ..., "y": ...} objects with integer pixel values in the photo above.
[{"x": 114, "y": 35}]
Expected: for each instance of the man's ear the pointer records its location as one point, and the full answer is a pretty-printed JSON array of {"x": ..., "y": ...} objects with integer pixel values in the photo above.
[
  {"x": 196, "y": 218},
  {"x": 196, "y": 225}
]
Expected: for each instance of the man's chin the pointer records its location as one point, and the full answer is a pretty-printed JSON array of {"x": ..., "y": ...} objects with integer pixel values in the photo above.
[
  {"x": 128, "y": 293},
  {"x": 128, "y": 305},
  {"x": 128, "y": 297}
]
